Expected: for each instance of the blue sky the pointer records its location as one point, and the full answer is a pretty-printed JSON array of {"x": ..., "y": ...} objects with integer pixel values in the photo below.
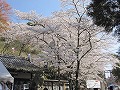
[{"x": 44, "y": 7}]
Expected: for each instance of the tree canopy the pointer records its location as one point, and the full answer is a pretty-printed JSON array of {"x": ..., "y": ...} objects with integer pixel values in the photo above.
[
  {"x": 105, "y": 13},
  {"x": 68, "y": 40},
  {"x": 4, "y": 15},
  {"x": 116, "y": 71}
]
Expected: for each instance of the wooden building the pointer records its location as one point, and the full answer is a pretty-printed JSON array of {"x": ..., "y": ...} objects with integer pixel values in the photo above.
[{"x": 21, "y": 69}]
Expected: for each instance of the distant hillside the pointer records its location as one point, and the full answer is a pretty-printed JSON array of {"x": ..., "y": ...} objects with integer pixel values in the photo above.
[{"x": 16, "y": 48}]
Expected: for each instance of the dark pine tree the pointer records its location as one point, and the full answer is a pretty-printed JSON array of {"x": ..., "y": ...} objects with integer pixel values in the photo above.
[{"x": 105, "y": 13}]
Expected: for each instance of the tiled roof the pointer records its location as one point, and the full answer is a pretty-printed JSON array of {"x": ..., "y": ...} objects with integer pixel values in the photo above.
[{"x": 18, "y": 64}]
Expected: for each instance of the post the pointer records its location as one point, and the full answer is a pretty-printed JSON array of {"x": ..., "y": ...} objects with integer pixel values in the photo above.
[{"x": 52, "y": 85}]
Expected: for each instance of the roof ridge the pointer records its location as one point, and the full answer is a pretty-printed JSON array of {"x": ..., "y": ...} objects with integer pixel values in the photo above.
[{"x": 12, "y": 56}]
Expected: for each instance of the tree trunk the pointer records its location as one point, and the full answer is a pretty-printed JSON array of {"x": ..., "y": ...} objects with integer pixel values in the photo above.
[{"x": 77, "y": 72}]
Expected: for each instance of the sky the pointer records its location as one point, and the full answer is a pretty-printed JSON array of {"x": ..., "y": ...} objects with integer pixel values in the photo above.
[{"x": 42, "y": 7}]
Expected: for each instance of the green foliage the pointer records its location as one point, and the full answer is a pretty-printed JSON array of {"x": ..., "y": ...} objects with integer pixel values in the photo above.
[
  {"x": 16, "y": 48},
  {"x": 116, "y": 72},
  {"x": 30, "y": 24},
  {"x": 2, "y": 39},
  {"x": 34, "y": 24},
  {"x": 50, "y": 72},
  {"x": 34, "y": 51},
  {"x": 38, "y": 79},
  {"x": 105, "y": 13}
]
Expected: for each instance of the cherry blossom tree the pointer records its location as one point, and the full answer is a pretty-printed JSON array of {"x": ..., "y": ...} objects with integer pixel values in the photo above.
[
  {"x": 69, "y": 41},
  {"x": 18, "y": 41}
]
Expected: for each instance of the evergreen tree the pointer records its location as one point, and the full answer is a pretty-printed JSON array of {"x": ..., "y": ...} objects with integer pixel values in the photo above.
[
  {"x": 105, "y": 13},
  {"x": 116, "y": 72}
]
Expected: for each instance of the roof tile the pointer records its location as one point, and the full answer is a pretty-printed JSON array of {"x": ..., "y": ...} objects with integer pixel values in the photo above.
[{"x": 18, "y": 63}]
